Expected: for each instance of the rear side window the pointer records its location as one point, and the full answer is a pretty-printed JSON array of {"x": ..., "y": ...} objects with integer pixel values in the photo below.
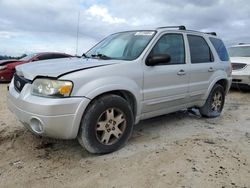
[
  {"x": 45, "y": 57},
  {"x": 55, "y": 56},
  {"x": 220, "y": 48},
  {"x": 199, "y": 50},
  {"x": 173, "y": 45}
]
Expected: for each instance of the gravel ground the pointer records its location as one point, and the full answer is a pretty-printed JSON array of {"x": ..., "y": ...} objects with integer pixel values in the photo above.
[{"x": 176, "y": 150}]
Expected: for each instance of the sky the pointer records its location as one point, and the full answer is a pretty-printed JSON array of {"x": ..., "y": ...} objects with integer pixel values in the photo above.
[{"x": 28, "y": 26}]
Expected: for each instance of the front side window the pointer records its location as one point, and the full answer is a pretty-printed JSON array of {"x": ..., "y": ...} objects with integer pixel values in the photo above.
[
  {"x": 199, "y": 50},
  {"x": 173, "y": 45},
  {"x": 241, "y": 51},
  {"x": 28, "y": 57},
  {"x": 220, "y": 48},
  {"x": 123, "y": 46}
]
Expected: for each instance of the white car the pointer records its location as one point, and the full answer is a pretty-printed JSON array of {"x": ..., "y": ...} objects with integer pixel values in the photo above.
[{"x": 240, "y": 59}]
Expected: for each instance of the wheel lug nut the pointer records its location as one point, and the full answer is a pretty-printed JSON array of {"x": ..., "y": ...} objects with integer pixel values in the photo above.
[{"x": 113, "y": 128}]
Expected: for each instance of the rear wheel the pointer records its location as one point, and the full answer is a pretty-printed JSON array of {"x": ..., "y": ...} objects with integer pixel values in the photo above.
[
  {"x": 214, "y": 103},
  {"x": 106, "y": 125}
]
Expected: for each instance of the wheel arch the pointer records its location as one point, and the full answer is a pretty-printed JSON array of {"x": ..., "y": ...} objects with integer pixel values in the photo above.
[
  {"x": 224, "y": 82},
  {"x": 125, "y": 94}
]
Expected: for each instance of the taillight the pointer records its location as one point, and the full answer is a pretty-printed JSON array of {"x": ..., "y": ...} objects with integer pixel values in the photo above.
[{"x": 231, "y": 69}]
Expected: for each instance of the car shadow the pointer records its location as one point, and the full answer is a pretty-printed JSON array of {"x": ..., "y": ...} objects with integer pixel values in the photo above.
[{"x": 71, "y": 148}]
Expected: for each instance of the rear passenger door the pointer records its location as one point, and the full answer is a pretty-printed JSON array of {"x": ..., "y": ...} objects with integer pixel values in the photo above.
[
  {"x": 202, "y": 66},
  {"x": 166, "y": 84}
]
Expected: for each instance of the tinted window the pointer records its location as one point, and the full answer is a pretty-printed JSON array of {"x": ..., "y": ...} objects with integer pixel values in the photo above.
[
  {"x": 45, "y": 56},
  {"x": 199, "y": 50},
  {"x": 242, "y": 51},
  {"x": 220, "y": 48},
  {"x": 173, "y": 45},
  {"x": 60, "y": 56}
]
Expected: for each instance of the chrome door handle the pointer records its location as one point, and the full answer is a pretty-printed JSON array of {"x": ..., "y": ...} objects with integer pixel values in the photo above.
[
  {"x": 211, "y": 69},
  {"x": 181, "y": 73}
]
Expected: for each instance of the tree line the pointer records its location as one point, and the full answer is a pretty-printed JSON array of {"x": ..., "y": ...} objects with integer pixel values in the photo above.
[{"x": 3, "y": 57}]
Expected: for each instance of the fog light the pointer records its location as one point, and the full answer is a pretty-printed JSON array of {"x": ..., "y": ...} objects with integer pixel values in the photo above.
[{"x": 36, "y": 125}]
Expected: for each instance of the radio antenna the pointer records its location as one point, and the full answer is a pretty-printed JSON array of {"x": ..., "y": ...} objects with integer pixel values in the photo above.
[{"x": 77, "y": 32}]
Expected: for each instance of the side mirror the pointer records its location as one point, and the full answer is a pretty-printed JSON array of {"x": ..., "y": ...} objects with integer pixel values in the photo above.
[
  {"x": 158, "y": 59},
  {"x": 35, "y": 59}
]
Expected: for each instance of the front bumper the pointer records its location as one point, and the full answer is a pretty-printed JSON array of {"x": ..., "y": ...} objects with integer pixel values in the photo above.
[
  {"x": 6, "y": 75},
  {"x": 241, "y": 76},
  {"x": 52, "y": 117}
]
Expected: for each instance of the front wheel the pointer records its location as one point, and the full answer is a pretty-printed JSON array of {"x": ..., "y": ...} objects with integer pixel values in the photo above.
[
  {"x": 106, "y": 125},
  {"x": 214, "y": 103}
]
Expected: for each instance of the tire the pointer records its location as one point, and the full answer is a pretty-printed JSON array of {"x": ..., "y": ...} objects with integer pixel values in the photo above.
[
  {"x": 107, "y": 124},
  {"x": 214, "y": 103}
]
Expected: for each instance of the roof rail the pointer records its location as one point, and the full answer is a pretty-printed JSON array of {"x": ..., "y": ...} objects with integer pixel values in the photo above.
[
  {"x": 181, "y": 27},
  {"x": 212, "y": 33}
]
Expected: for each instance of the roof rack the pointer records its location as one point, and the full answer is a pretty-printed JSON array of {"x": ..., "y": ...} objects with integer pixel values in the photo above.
[
  {"x": 181, "y": 27},
  {"x": 212, "y": 33}
]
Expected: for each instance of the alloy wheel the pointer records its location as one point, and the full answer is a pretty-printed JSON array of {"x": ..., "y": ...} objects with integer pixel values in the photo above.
[
  {"x": 110, "y": 126},
  {"x": 217, "y": 102}
]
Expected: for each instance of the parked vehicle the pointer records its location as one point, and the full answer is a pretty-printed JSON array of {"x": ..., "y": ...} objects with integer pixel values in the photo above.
[
  {"x": 127, "y": 77},
  {"x": 240, "y": 58},
  {"x": 7, "y": 67}
]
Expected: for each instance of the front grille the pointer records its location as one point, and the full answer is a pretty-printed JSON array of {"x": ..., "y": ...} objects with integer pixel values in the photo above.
[
  {"x": 19, "y": 82},
  {"x": 238, "y": 66}
]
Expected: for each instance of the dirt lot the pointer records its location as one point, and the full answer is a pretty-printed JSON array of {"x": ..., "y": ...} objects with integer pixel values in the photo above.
[{"x": 175, "y": 150}]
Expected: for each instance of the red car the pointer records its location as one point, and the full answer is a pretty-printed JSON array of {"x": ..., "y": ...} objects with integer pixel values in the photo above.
[{"x": 7, "y": 67}]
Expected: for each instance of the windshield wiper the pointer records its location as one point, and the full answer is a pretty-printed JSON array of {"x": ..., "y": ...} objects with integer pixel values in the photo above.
[{"x": 101, "y": 56}]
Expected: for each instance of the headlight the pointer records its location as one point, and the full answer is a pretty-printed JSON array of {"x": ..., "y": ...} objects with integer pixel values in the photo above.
[
  {"x": 3, "y": 67},
  {"x": 52, "y": 88}
]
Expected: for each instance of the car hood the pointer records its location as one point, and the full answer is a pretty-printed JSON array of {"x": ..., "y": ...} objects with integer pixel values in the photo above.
[
  {"x": 59, "y": 67},
  {"x": 245, "y": 60},
  {"x": 7, "y": 61}
]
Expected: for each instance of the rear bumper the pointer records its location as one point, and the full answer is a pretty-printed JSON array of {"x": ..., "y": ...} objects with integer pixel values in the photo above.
[{"x": 56, "y": 118}]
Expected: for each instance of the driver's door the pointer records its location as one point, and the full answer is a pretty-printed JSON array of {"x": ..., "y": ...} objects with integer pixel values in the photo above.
[{"x": 166, "y": 84}]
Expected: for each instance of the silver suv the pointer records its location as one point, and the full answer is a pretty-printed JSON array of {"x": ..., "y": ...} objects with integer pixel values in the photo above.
[{"x": 127, "y": 77}]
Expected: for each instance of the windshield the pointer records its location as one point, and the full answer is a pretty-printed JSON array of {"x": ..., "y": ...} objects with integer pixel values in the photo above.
[
  {"x": 122, "y": 46},
  {"x": 28, "y": 57},
  {"x": 243, "y": 51}
]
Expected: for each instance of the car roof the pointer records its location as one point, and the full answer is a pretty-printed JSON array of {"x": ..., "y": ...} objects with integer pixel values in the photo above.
[{"x": 42, "y": 53}]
